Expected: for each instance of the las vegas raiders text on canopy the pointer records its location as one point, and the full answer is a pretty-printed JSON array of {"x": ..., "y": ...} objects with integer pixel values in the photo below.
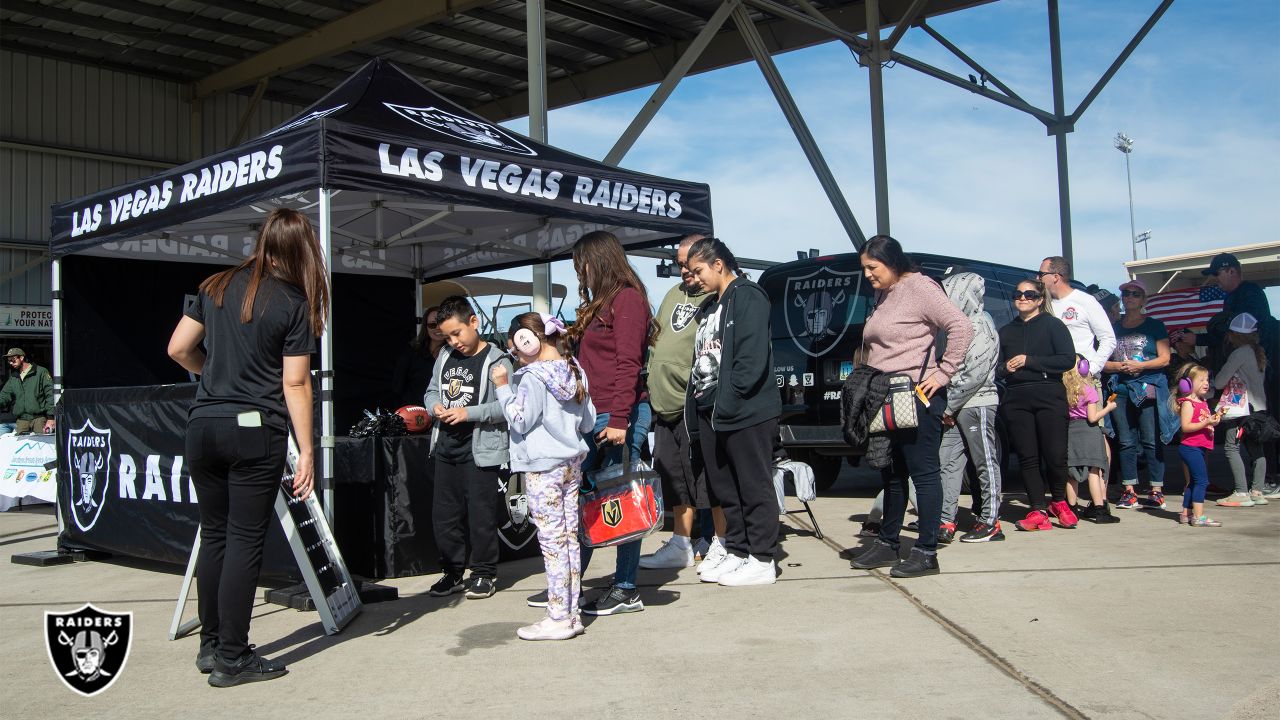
[{"x": 516, "y": 179}]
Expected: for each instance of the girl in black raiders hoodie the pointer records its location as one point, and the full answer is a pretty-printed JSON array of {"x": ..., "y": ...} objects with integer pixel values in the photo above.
[{"x": 1035, "y": 349}]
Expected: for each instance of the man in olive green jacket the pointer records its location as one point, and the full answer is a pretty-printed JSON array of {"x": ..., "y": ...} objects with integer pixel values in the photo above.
[{"x": 30, "y": 393}]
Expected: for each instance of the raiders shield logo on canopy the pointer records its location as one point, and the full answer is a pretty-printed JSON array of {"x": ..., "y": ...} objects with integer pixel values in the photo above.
[
  {"x": 88, "y": 647},
  {"x": 462, "y": 128}
]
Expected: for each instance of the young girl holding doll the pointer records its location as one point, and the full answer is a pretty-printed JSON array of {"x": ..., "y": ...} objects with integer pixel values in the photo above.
[
  {"x": 547, "y": 415},
  {"x": 1086, "y": 453},
  {"x": 1197, "y": 440}
]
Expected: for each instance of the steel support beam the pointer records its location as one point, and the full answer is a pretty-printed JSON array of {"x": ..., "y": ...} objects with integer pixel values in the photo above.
[
  {"x": 851, "y": 38},
  {"x": 536, "y": 41},
  {"x": 373, "y": 22},
  {"x": 796, "y": 120},
  {"x": 982, "y": 71},
  {"x": 669, "y": 83},
  {"x": 1120, "y": 59},
  {"x": 557, "y": 36},
  {"x": 86, "y": 154},
  {"x": 1060, "y": 129},
  {"x": 243, "y": 128},
  {"x": 874, "y": 60},
  {"x": 904, "y": 23}
]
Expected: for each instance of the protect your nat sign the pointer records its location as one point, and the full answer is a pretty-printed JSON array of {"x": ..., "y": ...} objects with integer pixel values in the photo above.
[{"x": 26, "y": 318}]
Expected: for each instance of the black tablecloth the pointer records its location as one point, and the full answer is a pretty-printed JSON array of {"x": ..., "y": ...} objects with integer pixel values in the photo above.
[{"x": 383, "y": 488}]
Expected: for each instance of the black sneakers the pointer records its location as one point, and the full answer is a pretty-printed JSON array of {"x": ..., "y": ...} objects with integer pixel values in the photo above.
[
  {"x": 479, "y": 588},
  {"x": 983, "y": 532},
  {"x": 917, "y": 564},
  {"x": 878, "y": 555},
  {"x": 205, "y": 658},
  {"x": 538, "y": 600},
  {"x": 616, "y": 601},
  {"x": 251, "y": 667},
  {"x": 448, "y": 584},
  {"x": 1099, "y": 514}
]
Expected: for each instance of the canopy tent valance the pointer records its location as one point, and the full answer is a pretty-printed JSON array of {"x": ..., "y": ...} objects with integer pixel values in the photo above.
[{"x": 418, "y": 186}]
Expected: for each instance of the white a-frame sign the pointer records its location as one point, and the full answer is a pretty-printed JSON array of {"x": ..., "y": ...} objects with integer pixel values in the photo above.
[{"x": 336, "y": 596}]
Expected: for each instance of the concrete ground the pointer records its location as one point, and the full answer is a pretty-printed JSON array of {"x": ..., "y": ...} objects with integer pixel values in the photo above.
[{"x": 1143, "y": 619}]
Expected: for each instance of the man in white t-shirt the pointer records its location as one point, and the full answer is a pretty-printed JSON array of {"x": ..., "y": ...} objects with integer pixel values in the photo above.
[{"x": 1090, "y": 328}]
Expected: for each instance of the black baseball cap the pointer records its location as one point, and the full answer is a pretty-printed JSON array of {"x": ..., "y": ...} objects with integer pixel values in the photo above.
[{"x": 1221, "y": 261}]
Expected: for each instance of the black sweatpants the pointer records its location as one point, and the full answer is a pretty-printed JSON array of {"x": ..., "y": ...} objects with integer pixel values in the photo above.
[
  {"x": 1035, "y": 416},
  {"x": 237, "y": 472},
  {"x": 739, "y": 467},
  {"x": 465, "y": 512}
]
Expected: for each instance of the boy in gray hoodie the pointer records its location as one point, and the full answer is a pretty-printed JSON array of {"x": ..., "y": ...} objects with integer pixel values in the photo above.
[
  {"x": 469, "y": 444},
  {"x": 969, "y": 421}
]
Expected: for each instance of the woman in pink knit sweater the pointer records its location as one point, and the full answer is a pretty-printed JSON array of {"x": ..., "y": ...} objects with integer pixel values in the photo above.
[{"x": 900, "y": 336}]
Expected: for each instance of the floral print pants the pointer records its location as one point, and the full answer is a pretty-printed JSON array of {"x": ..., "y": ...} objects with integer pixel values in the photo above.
[{"x": 553, "y": 503}]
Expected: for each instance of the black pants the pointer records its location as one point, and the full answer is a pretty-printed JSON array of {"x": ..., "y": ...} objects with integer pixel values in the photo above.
[
  {"x": 237, "y": 472},
  {"x": 915, "y": 459},
  {"x": 1035, "y": 416},
  {"x": 466, "y": 511},
  {"x": 739, "y": 467}
]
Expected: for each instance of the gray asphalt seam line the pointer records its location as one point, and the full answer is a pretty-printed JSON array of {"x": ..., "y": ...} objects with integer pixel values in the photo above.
[{"x": 1063, "y": 707}]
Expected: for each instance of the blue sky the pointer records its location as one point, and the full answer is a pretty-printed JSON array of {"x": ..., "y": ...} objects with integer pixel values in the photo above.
[{"x": 967, "y": 176}]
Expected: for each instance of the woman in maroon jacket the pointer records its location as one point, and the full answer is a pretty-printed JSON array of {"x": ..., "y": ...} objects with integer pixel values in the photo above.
[{"x": 613, "y": 330}]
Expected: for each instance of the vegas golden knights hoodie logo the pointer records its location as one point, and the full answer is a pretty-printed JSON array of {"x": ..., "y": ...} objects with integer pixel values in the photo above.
[{"x": 612, "y": 513}]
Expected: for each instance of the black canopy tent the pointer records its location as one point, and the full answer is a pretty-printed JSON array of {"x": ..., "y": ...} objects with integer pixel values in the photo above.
[{"x": 399, "y": 181}]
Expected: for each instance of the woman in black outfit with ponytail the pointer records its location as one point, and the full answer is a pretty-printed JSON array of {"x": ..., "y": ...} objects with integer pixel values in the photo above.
[{"x": 1035, "y": 349}]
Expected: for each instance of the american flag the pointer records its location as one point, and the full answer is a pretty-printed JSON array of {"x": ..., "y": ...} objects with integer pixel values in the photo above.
[{"x": 1189, "y": 308}]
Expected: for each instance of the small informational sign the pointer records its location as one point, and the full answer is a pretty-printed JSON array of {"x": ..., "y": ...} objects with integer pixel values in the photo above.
[
  {"x": 808, "y": 379},
  {"x": 846, "y": 369},
  {"x": 22, "y": 469},
  {"x": 26, "y": 318}
]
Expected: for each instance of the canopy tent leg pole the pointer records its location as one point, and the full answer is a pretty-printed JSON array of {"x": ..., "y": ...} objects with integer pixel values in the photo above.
[
  {"x": 536, "y": 34},
  {"x": 669, "y": 83},
  {"x": 873, "y": 60},
  {"x": 1059, "y": 130},
  {"x": 326, "y": 367},
  {"x": 780, "y": 92},
  {"x": 55, "y": 284},
  {"x": 418, "y": 307}
]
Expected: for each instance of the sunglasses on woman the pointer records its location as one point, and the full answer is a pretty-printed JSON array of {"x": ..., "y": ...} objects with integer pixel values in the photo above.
[
  {"x": 1131, "y": 293},
  {"x": 1026, "y": 295}
]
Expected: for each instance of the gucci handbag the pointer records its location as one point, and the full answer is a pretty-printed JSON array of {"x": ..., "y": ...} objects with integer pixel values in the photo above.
[
  {"x": 619, "y": 504},
  {"x": 901, "y": 404}
]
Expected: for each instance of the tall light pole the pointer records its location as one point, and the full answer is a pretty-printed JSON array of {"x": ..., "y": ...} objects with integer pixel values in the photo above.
[{"x": 1124, "y": 144}]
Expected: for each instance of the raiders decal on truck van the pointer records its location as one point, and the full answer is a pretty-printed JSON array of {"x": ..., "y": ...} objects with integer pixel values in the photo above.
[{"x": 815, "y": 306}]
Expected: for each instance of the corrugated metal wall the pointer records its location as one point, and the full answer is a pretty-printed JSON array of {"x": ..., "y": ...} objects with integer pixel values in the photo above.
[{"x": 66, "y": 105}]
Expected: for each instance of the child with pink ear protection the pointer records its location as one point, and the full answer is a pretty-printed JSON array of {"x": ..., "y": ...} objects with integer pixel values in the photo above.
[
  {"x": 547, "y": 415},
  {"x": 1197, "y": 440},
  {"x": 1086, "y": 449}
]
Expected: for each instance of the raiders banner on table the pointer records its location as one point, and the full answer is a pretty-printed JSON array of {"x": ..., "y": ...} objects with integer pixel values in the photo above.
[
  {"x": 123, "y": 486},
  {"x": 469, "y": 194}
]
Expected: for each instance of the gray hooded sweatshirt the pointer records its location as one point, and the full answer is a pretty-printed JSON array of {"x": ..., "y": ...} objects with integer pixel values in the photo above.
[
  {"x": 489, "y": 438},
  {"x": 547, "y": 424},
  {"x": 973, "y": 385}
]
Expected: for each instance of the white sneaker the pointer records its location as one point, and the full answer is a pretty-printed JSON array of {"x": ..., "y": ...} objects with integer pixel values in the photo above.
[
  {"x": 722, "y": 568},
  {"x": 672, "y": 554},
  {"x": 700, "y": 549},
  {"x": 1237, "y": 499},
  {"x": 751, "y": 572},
  {"x": 714, "y": 556},
  {"x": 548, "y": 629}
]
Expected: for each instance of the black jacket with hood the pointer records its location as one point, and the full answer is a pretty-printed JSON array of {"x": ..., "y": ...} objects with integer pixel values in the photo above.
[{"x": 746, "y": 392}]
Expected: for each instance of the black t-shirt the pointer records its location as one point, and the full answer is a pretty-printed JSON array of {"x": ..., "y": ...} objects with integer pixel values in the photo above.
[
  {"x": 245, "y": 366},
  {"x": 459, "y": 387}
]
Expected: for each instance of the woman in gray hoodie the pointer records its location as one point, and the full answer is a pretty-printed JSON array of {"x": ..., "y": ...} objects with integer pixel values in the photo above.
[
  {"x": 547, "y": 415},
  {"x": 969, "y": 421}
]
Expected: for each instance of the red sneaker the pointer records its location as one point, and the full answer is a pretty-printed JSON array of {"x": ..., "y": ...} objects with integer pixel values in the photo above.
[
  {"x": 1035, "y": 520},
  {"x": 1062, "y": 511}
]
